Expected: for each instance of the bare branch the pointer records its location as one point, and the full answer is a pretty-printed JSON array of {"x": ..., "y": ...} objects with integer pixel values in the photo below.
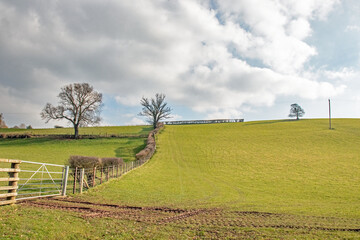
[
  {"x": 155, "y": 109},
  {"x": 79, "y": 104}
]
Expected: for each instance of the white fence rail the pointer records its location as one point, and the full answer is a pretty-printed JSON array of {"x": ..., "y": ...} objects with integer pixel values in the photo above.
[{"x": 211, "y": 121}]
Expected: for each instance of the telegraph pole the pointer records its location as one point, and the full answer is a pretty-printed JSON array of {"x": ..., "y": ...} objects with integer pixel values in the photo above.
[{"x": 329, "y": 114}]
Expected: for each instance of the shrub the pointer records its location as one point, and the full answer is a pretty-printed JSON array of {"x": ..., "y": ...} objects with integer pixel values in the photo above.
[
  {"x": 22, "y": 135},
  {"x": 105, "y": 162},
  {"x": 90, "y": 162},
  {"x": 150, "y": 147},
  {"x": 84, "y": 162}
]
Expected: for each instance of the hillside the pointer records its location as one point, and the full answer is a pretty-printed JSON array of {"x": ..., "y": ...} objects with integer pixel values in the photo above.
[
  {"x": 298, "y": 167},
  {"x": 102, "y": 131},
  {"x": 252, "y": 180},
  {"x": 53, "y": 150}
]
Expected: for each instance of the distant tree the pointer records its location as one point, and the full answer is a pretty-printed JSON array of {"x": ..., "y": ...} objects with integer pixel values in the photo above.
[
  {"x": 22, "y": 126},
  {"x": 2, "y": 122},
  {"x": 296, "y": 111},
  {"x": 29, "y": 127},
  {"x": 155, "y": 109},
  {"x": 15, "y": 127},
  {"x": 79, "y": 104}
]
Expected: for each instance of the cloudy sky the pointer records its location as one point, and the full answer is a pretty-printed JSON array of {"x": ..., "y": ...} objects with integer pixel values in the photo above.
[{"x": 212, "y": 58}]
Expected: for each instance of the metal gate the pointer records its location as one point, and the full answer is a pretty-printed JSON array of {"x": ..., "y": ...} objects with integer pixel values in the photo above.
[{"x": 41, "y": 180}]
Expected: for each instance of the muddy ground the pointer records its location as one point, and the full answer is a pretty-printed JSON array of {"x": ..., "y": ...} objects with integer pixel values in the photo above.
[{"x": 216, "y": 222}]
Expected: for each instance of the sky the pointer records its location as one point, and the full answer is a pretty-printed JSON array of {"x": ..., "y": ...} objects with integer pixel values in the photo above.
[{"x": 212, "y": 59}]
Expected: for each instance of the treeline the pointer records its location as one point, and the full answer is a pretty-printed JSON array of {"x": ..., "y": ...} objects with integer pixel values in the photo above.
[{"x": 21, "y": 126}]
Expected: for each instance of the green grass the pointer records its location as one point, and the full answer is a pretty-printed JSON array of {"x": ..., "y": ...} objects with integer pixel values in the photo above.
[
  {"x": 58, "y": 150},
  {"x": 24, "y": 222},
  {"x": 120, "y": 130},
  {"x": 51, "y": 150},
  {"x": 298, "y": 167},
  {"x": 56, "y": 224}
]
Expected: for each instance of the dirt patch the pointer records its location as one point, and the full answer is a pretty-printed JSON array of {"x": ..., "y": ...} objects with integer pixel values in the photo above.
[
  {"x": 158, "y": 215},
  {"x": 211, "y": 219},
  {"x": 248, "y": 219}
]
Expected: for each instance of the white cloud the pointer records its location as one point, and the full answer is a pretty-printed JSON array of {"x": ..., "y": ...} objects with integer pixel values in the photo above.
[
  {"x": 131, "y": 100},
  {"x": 138, "y": 48},
  {"x": 343, "y": 74},
  {"x": 350, "y": 28},
  {"x": 136, "y": 121},
  {"x": 175, "y": 117}
]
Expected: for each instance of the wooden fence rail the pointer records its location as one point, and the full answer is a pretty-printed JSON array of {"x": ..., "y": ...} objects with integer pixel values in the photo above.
[{"x": 12, "y": 180}]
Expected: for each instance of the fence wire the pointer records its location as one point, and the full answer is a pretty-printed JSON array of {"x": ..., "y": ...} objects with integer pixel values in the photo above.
[
  {"x": 36, "y": 180},
  {"x": 82, "y": 179}
]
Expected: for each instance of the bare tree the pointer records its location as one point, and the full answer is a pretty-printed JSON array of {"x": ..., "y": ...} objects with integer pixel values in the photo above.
[
  {"x": 2, "y": 122},
  {"x": 296, "y": 111},
  {"x": 79, "y": 104},
  {"x": 155, "y": 109}
]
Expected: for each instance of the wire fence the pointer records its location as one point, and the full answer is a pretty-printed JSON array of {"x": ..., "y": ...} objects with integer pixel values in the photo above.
[
  {"x": 27, "y": 180},
  {"x": 81, "y": 179}
]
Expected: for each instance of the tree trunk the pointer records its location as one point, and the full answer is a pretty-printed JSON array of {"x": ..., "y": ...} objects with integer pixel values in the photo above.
[{"x": 76, "y": 128}]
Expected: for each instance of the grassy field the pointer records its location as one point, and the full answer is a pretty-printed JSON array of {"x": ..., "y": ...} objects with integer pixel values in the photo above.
[
  {"x": 268, "y": 179},
  {"x": 58, "y": 150},
  {"x": 298, "y": 167},
  {"x": 51, "y": 150},
  {"x": 103, "y": 131}
]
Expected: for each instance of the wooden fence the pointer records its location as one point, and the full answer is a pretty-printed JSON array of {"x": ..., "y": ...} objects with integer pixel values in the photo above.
[
  {"x": 41, "y": 181},
  {"x": 81, "y": 179},
  {"x": 12, "y": 180}
]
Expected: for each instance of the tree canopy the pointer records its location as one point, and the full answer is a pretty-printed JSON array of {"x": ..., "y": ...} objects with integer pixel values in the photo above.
[
  {"x": 2, "y": 122},
  {"x": 79, "y": 104},
  {"x": 155, "y": 109},
  {"x": 296, "y": 111}
]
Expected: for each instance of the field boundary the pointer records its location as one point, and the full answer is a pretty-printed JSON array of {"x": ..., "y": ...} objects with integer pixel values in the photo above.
[
  {"x": 68, "y": 136},
  {"x": 39, "y": 180},
  {"x": 211, "y": 121},
  {"x": 74, "y": 180},
  {"x": 12, "y": 180}
]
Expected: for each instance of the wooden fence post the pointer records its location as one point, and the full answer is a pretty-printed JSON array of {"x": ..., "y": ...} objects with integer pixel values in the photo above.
[
  {"x": 75, "y": 177},
  {"x": 112, "y": 171},
  {"x": 108, "y": 174},
  {"x": 12, "y": 179},
  {"x": 94, "y": 176},
  {"x": 101, "y": 175},
  {"x": 117, "y": 170},
  {"x": 82, "y": 173}
]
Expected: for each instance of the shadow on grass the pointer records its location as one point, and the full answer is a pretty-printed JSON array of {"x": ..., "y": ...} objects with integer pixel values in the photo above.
[
  {"x": 271, "y": 122},
  {"x": 146, "y": 129},
  {"x": 24, "y": 142},
  {"x": 128, "y": 149}
]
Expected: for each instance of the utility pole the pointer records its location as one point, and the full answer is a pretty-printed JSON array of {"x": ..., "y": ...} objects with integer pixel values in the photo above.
[{"x": 329, "y": 114}]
